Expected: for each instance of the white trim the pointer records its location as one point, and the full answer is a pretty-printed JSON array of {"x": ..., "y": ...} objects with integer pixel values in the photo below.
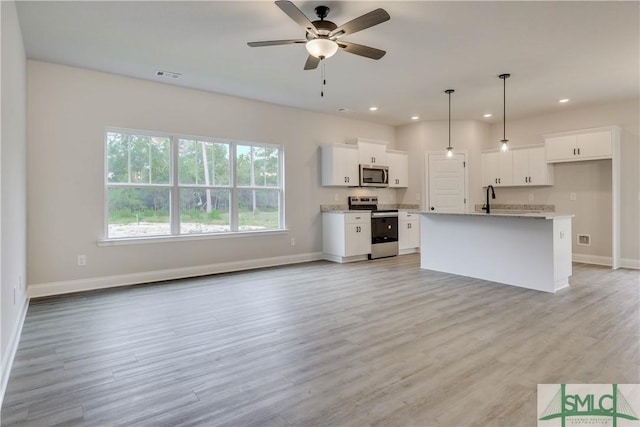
[
  {"x": 592, "y": 259},
  {"x": 64, "y": 287},
  {"x": 630, "y": 263},
  {"x": 12, "y": 347},
  {"x": 633, "y": 264}
]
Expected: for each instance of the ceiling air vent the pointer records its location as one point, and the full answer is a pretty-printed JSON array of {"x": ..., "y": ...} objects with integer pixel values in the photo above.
[{"x": 167, "y": 74}]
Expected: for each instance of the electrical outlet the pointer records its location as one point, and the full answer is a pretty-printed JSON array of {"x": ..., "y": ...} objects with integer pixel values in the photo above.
[
  {"x": 572, "y": 196},
  {"x": 82, "y": 260},
  {"x": 531, "y": 197},
  {"x": 293, "y": 241}
]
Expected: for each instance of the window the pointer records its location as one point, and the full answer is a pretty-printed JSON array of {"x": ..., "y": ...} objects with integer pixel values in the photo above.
[{"x": 163, "y": 185}]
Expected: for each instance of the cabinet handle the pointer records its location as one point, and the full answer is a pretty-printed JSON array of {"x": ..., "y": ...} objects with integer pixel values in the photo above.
[
  {"x": 499, "y": 180},
  {"x": 409, "y": 225},
  {"x": 578, "y": 151},
  {"x": 358, "y": 217},
  {"x": 496, "y": 181},
  {"x": 574, "y": 151}
]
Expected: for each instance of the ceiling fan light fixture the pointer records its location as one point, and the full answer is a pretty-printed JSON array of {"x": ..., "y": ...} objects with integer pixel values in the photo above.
[{"x": 321, "y": 47}]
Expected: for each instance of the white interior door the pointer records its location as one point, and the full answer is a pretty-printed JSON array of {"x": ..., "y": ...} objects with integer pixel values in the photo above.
[{"x": 446, "y": 183}]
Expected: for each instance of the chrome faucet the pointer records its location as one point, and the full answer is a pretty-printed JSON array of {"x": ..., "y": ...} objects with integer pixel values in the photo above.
[{"x": 487, "y": 206}]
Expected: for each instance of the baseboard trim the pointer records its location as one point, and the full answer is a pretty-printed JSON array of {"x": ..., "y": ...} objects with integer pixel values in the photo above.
[
  {"x": 592, "y": 259},
  {"x": 606, "y": 261},
  {"x": 630, "y": 263},
  {"x": 57, "y": 288},
  {"x": 12, "y": 348}
]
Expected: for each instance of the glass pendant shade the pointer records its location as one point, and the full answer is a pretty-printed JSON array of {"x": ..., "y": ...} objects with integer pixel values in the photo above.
[
  {"x": 504, "y": 147},
  {"x": 449, "y": 151},
  {"x": 321, "y": 48}
]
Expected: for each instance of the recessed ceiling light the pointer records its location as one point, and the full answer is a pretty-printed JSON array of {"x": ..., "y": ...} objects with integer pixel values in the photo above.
[
  {"x": 487, "y": 115},
  {"x": 373, "y": 108},
  {"x": 563, "y": 100},
  {"x": 415, "y": 117}
]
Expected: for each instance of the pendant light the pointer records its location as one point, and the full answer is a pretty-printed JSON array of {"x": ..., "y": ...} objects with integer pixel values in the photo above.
[
  {"x": 504, "y": 141},
  {"x": 449, "y": 148}
]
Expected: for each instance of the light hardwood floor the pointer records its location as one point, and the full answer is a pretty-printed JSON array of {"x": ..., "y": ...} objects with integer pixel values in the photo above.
[{"x": 321, "y": 344}]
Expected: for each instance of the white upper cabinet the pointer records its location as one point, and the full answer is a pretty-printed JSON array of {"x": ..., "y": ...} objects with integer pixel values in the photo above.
[
  {"x": 371, "y": 152},
  {"x": 530, "y": 167},
  {"x": 497, "y": 169},
  {"x": 517, "y": 167},
  {"x": 398, "y": 162},
  {"x": 590, "y": 144},
  {"x": 340, "y": 165}
]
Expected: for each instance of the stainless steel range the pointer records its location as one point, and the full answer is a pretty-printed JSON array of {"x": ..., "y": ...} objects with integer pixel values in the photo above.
[{"x": 384, "y": 226}]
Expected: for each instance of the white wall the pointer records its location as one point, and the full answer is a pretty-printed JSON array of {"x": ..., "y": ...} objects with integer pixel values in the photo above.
[
  {"x": 12, "y": 185},
  {"x": 68, "y": 109},
  {"x": 433, "y": 136},
  {"x": 591, "y": 181}
]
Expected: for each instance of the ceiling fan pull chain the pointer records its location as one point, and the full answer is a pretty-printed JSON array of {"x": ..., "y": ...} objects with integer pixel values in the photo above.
[{"x": 323, "y": 81}]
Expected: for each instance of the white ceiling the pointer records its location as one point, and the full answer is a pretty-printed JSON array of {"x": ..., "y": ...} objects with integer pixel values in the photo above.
[{"x": 586, "y": 51}]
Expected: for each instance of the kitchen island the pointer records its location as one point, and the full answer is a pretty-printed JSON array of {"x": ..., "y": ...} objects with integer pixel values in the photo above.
[{"x": 529, "y": 250}]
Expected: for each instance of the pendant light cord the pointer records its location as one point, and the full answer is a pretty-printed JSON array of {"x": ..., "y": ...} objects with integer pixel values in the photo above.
[
  {"x": 449, "y": 92},
  {"x": 504, "y": 78}
]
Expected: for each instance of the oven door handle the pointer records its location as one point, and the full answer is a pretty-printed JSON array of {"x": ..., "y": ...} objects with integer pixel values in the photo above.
[{"x": 384, "y": 214}]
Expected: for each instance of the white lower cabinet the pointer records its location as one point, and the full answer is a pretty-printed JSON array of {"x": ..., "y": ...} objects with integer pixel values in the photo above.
[
  {"x": 346, "y": 236},
  {"x": 408, "y": 232}
]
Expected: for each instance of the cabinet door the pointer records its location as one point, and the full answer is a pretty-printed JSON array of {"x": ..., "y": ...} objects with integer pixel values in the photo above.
[
  {"x": 398, "y": 173},
  {"x": 520, "y": 167},
  {"x": 538, "y": 168},
  {"x": 560, "y": 148},
  {"x": 372, "y": 153},
  {"x": 594, "y": 145},
  {"x": 364, "y": 238},
  {"x": 339, "y": 165},
  {"x": 357, "y": 234},
  {"x": 350, "y": 167},
  {"x": 489, "y": 169},
  {"x": 497, "y": 169},
  {"x": 505, "y": 168}
]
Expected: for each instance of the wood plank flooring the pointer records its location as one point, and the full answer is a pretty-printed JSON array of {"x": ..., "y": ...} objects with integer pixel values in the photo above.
[{"x": 320, "y": 344}]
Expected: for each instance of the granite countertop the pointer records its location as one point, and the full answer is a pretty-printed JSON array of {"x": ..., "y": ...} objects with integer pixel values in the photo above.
[
  {"x": 513, "y": 214},
  {"x": 345, "y": 208}
]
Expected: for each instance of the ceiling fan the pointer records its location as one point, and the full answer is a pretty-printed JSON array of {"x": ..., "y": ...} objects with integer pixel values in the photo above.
[{"x": 323, "y": 38}]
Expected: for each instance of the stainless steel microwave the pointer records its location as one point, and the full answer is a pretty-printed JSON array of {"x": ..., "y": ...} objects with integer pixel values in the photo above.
[{"x": 374, "y": 176}]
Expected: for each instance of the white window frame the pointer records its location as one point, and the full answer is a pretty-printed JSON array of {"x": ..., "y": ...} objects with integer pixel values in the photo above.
[{"x": 174, "y": 187}]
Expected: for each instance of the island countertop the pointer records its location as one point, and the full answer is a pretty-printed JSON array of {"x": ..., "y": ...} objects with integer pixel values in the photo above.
[{"x": 536, "y": 215}]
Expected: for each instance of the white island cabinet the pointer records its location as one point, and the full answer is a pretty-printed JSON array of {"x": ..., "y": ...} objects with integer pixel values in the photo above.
[{"x": 526, "y": 250}]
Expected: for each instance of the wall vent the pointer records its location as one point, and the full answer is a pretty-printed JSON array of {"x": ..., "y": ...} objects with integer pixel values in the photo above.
[
  {"x": 584, "y": 240},
  {"x": 167, "y": 74}
]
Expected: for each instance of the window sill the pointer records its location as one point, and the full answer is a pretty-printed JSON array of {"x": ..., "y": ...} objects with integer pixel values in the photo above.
[{"x": 187, "y": 238}]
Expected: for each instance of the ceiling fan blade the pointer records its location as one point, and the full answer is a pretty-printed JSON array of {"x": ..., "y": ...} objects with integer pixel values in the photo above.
[
  {"x": 361, "y": 50},
  {"x": 360, "y": 23},
  {"x": 312, "y": 63},
  {"x": 296, "y": 14},
  {"x": 274, "y": 42}
]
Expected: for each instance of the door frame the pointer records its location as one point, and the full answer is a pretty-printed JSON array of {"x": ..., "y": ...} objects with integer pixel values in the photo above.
[{"x": 425, "y": 178}]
